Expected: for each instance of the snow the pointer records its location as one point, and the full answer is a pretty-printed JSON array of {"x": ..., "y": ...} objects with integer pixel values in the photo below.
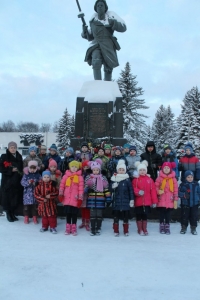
[
  {"x": 99, "y": 91},
  {"x": 36, "y": 265},
  {"x": 109, "y": 15}
]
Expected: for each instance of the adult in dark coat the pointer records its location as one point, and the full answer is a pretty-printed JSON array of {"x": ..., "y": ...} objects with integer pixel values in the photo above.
[
  {"x": 154, "y": 159},
  {"x": 11, "y": 166}
]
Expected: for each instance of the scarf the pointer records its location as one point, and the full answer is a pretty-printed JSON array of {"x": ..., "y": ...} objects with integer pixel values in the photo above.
[
  {"x": 72, "y": 178},
  {"x": 171, "y": 184},
  {"x": 119, "y": 177},
  {"x": 99, "y": 179}
]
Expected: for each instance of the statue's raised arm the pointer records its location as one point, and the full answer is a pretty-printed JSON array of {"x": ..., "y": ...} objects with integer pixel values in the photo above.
[{"x": 102, "y": 50}]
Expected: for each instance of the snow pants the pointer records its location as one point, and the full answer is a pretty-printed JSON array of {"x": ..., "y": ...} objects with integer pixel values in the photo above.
[
  {"x": 30, "y": 210},
  {"x": 189, "y": 214},
  {"x": 49, "y": 222}
]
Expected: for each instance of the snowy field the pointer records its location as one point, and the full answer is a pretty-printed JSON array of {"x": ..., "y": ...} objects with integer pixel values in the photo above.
[{"x": 40, "y": 266}]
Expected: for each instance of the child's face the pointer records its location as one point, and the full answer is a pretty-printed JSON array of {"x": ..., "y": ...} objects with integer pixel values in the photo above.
[
  {"x": 121, "y": 171},
  {"x": 53, "y": 152},
  {"x": 32, "y": 153},
  {"x": 32, "y": 169},
  {"x": 118, "y": 152},
  {"x": 189, "y": 178},
  {"x": 73, "y": 169},
  {"x": 67, "y": 154},
  {"x": 187, "y": 151},
  {"x": 132, "y": 152},
  {"x": 43, "y": 151},
  {"x": 101, "y": 152},
  {"x": 126, "y": 150},
  {"x": 84, "y": 149},
  {"x": 107, "y": 151},
  {"x": 167, "y": 151},
  {"x": 53, "y": 169},
  {"x": 166, "y": 170},
  {"x": 46, "y": 178},
  {"x": 150, "y": 148},
  {"x": 95, "y": 171},
  {"x": 85, "y": 168},
  {"x": 142, "y": 172}
]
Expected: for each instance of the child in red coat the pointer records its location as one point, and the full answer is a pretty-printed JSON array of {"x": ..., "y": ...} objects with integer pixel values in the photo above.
[
  {"x": 46, "y": 194},
  {"x": 72, "y": 187},
  {"x": 145, "y": 195},
  {"x": 167, "y": 190}
]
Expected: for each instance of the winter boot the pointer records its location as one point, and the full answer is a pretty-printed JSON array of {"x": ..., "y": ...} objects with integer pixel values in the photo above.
[
  {"x": 167, "y": 228},
  {"x": 43, "y": 229},
  {"x": 13, "y": 216},
  {"x": 53, "y": 230},
  {"x": 193, "y": 230},
  {"x": 98, "y": 227},
  {"x": 26, "y": 220},
  {"x": 162, "y": 228},
  {"x": 144, "y": 227},
  {"x": 92, "y": 223},
  {"x": 116, "y": 229},
  {"x": 183, "y": 229},
  {"x": 125, "y": 225},
  {"x": 9, "y": 217},
  {"x": 82, "y": 224},
  {"x": 68, "y": 229},
  {"x": 35, "y": 220},
  {"x": 139, "y": 227},
  {"x": 74, "y": 229},
  {"x": 87, "y": 224}
]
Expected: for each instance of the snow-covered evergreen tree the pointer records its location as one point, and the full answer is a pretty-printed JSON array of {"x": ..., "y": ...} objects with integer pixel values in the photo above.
[
  {"x": 64, "y": 131},
  {"x": 189, "y": 120},
  {"x": 135, "y": 129},
  {"x": 163, "y": 128}
]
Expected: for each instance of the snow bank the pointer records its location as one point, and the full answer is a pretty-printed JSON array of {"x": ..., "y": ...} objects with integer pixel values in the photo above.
[
  {"x": 99, "y": 91},
  {"x": 36, "y": 265}
]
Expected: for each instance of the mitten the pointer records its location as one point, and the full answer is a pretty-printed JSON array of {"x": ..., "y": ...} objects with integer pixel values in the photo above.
[
  {"x": 60, "y": 198},
  {"x": 86, "y": 190},
  {"x": 79, "y": 202},
  {"x": 31, "y": 181},
  {"x": 135, "y": 174},
  {"x": 187, "y": 195},
  {"x": 141, "y": 193},
  {"x": 160, "y": 192},
  {"x": 131, "y": 203},
  {"x": 175, "y": 204},
  {"x": 154, "y": 205},
  {"x": 114, "y": 185},
  {"x": 90, "y": 183}
]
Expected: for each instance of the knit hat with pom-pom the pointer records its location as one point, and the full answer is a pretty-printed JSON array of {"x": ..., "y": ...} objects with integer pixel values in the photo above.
[
  {"x": 141, "y": 165},
  {"x": 52, "y": 163},
  {"x": 85, "y": 164},
  {"x": 171, "y": 165},
  {"x": 121, "y": 165},
  {"x": 95, "y": 164}
]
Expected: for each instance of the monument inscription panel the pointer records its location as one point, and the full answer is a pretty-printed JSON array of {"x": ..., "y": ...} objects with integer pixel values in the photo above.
[{"x": 97, "y": 119}]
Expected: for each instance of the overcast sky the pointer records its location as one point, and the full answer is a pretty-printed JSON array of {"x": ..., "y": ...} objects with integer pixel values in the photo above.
[{"x": 42, "y": 53}]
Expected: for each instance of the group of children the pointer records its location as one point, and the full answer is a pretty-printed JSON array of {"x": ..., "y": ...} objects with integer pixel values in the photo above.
[{"x": 93, "y": 183}]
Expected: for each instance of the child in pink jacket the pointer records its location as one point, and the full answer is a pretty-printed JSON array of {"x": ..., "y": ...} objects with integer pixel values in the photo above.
[
  {"x": 167, "y": 190},
  {"x": 72, "y": 187},
  {"x": 145, "y": 196}
]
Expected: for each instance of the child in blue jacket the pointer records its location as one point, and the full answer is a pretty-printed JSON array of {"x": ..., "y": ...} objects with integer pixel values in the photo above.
[{"x": 189, "y": 192}]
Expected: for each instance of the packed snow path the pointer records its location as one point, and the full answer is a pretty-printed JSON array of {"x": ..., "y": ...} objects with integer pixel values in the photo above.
[{"x": 42, "y": 266}]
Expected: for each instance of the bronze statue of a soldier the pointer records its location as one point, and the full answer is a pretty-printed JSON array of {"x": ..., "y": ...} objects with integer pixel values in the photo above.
[{"x": 102, "y": 50}]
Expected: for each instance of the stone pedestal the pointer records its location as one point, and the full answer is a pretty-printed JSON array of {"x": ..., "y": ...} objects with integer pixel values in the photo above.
[{"x": 99, "y": 113}]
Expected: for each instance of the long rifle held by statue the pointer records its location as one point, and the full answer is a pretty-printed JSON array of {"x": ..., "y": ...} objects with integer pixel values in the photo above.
[{"x": 81, "y": 15}]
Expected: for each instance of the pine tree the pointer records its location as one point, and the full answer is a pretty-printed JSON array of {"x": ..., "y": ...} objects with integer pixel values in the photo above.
[
  {"x": 64, "y": 131},
  {"x": 190, "y": 120},
  {"x": 135, "y": 130}
]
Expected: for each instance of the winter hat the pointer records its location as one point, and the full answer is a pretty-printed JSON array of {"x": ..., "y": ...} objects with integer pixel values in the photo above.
[
  {"x": 126, "y": 146},
  {"x": 121, "y": 164},
  {"x": 132, "y": 148},
  {"x": 150, "y": 143},
  {"x": 95, "y": 164},
  {"x": 141, "y": 165},
  {"x": 107, "y": 146},
  {"x": 32, "y": 148},
  {"x": 84, "y": 144},
  {"x": 118, "y": 148},
  {"x": 52, "y": 163},
  {"x": 85, "y": 164},
  {"x": 70, "y": 150},
  {"x": 171, "y": 165},
  {"x": 187, "y": 173},
  {"x": 167, "y": 147},
  {"x": 32, "y": 163},
  {"x": 53, "y": 147},
  {"x": 189, "y": 146},
  {"x": 12, "y": 144},
  {"x": 43, "y": 147},
  {"x": 47, "y": 172},
  {"x": 75, "y": 163}
]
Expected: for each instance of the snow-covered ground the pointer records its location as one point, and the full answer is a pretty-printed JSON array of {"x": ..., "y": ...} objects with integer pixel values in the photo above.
[{"x": 40, "y": 266}]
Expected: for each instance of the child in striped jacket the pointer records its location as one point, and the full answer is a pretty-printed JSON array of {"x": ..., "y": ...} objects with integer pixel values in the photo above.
[{"x": 98, "y": 195}]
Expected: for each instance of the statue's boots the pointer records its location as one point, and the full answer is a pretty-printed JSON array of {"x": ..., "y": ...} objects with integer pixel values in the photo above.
[{"x": 107, "y": 76}]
